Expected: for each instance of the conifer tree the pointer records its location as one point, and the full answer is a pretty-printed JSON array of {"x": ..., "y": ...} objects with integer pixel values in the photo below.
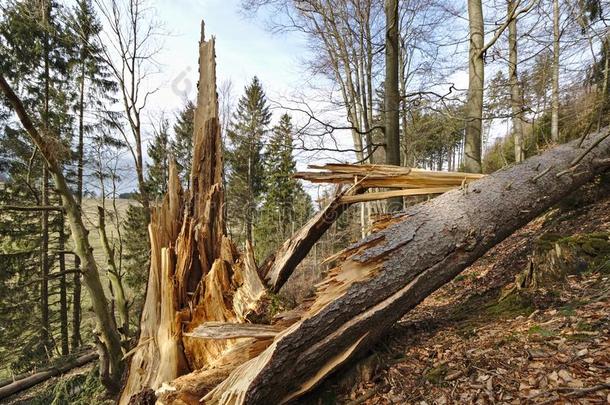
[
  {"x": 286, "y": 205},
  {"x": 182, "y": 145},
  {"x": 95, "y": 89},
  {"x": 244, "y": 159},
  {"x": 158, "y": 152},
  {"x": 35, "y": 52}
]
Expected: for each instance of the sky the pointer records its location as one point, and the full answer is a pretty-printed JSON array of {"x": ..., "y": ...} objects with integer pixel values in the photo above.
[{"x": 244, "y": 48}]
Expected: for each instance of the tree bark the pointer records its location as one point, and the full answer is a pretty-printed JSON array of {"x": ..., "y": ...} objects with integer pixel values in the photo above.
[
  {"x": 392, "y": 97},
  {"x": 555, "y": 78},
  {"x": 63, "y": 291},
  {"x": 44, "y": 263},
  {"x": 476, "y": 78},
  {"x": 278, "y": 267},
  {"x": 390, "y": 272},
  {"x": 75, "y": 338},
  {"x": 113, "y": 275},
  {"x": 516, "y": 101},
  {"x": 34, "y": 379}
]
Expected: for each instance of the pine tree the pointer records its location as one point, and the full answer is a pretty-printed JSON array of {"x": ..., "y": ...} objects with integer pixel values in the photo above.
[
  {"x": 244, "y": 159},
  {"x": 286, "y": 205},
  {"x": 182, "y": 145},
  {"x": 35, "y": 52},
  {"x": 136, "y": 254},
  {"x": 94, "y": 89},
  {"x": 158, "y": 152}
]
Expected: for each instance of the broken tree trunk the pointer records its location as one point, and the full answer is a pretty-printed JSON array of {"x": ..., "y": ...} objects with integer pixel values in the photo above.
[
  {"x": 196, "y": 276},
  {"x": 391, "y": 271},
  {"x": 385, "y": 176}
]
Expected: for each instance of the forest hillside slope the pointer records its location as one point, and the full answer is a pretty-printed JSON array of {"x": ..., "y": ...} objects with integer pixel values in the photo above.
[{"x": 464, "y": 344}]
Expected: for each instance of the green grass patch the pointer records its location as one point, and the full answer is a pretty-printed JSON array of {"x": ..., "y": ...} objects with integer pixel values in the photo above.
[
  {"x": 515, "y": 304},
  {"x": 539, "y": 330},
  {"x": 437, "y": 374}
]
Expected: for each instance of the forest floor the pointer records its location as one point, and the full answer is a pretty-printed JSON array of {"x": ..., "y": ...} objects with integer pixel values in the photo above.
[{"x": 464, "y": 345}]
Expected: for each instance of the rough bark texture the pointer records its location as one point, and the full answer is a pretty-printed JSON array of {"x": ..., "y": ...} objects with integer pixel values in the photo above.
[
  {"x": 555, "y": 75},
  {"x": 390, "y": 272},
  {"x": 516, "y": 102},
  {"x": 392, "y": 98},
  {"x": 476, "y": 77}
]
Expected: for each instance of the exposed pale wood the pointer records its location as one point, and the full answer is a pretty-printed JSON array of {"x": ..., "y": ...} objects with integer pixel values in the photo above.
[
  {"x": 222, "y": 330},
  {"x": 381, "y": 195},
  {"x": 197, "y": 276},
  {"x": 391, "y": 271},
  {"x": 156, "y": 322},
  {"x": 277, "y": 268},
  {"x": 370, "y": 176}
]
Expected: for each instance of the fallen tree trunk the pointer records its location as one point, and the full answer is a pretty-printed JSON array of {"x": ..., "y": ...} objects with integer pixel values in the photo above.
[
  {"x": 37, "y": 378},
  {"x": 391, "y": 271}
]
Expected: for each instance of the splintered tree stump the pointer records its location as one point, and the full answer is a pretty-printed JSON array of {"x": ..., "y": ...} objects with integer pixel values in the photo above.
[{"x": 196, "y": 276}]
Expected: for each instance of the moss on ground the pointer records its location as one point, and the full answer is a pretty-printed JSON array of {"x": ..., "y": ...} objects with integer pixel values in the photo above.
[{"x": 516, "y": 304}]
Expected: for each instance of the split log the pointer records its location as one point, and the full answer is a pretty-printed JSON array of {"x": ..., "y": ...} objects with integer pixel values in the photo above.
[
  {"x": 37, "y": 378},
  {"x": 385, "y": 176},
  {"x": 390, "y": 272},
  {"x": 221, "y": 330},
  {"x": 382, "y": 195}
]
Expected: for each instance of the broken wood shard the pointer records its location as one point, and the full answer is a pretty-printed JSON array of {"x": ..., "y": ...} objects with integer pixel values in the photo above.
[
  {"x": 220, "y": 330},
  {"x": 385, "y": 176},
  {"x": 382, "y": 195},
  {"x": 277, "y": 268}
]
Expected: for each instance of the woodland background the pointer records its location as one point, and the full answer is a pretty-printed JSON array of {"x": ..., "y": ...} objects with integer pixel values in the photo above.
[{"x": 85, "y": 69}]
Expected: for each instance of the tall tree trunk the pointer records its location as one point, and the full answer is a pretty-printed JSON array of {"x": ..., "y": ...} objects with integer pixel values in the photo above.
[
  {"x": 402, "y": 77},
  {"x": 104, "y": 322},
  {"x": 144, "y": 197},
  {"x": 515, "y": 89},
  {"x": 44, "y": 245},
  {"x": 76, "y": 306},
  {"x": 476, "y": 81},
  {"x": 44, "y": 263},
  {"x": 392, "y": 96},
  {"x": 555, "y": 79},
  {"x": 604, "y": 92},
  {"x": 63, "y": 291}
]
